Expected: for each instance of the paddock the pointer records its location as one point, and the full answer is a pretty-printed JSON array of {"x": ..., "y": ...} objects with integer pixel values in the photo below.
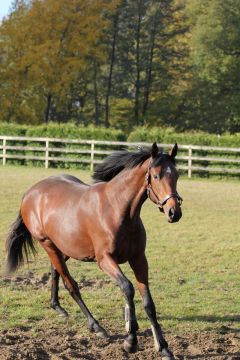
[{"x": 194, "y": 278}]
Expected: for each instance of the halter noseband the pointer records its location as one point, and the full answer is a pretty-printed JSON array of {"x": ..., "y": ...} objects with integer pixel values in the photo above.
[{"x": 160, "y": 203}]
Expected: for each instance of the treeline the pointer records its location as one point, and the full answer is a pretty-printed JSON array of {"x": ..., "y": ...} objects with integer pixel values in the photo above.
[
  {"x": 122, "y": 63},
  {"x": 166, "y": 135}
]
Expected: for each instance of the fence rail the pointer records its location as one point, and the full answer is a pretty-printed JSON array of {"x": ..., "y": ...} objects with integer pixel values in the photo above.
[{"x": 191, "y": 158}]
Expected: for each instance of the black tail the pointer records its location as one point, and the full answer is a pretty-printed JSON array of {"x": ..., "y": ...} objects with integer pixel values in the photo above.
[{"x": 19, "y": 242}]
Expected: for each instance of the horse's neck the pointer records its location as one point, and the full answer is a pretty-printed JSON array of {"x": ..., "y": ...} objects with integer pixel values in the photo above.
[{"x": 129, "y": 191}]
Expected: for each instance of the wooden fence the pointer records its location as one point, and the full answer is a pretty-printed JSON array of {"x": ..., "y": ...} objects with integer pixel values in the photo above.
[{"x": 50, "y": 151}]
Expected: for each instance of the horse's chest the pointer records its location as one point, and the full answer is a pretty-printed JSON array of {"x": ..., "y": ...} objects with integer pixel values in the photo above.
[{"x": 126, "y": 245}]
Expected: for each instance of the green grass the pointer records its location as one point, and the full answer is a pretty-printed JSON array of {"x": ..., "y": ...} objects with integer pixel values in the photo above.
[{"x": 194, "y": 264}]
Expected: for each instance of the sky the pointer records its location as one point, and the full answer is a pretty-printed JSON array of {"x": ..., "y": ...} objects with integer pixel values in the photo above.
[{"x": 4, "y": 7}]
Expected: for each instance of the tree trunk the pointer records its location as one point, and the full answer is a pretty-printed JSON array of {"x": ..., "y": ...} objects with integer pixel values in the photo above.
[
  {"x": 112, "y": 60},
  {"x": 138, "y": 69},
  {"x": 48, "y": 108},
  {"x": 148, "y": 80},
  {"x": 96, "y": 102}
]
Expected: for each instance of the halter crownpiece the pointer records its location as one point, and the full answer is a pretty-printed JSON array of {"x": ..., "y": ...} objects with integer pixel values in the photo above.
[{"x": 160, "y": 203}]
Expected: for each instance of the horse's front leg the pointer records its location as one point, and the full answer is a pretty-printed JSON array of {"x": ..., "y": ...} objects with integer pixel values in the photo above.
[
  {"x": 109, "y": 266},
  {"x": 140, "y": 267}
]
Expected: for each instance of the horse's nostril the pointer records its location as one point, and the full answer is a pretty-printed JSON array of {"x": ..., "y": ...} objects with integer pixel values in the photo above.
[{"x": 171, "y": 213}]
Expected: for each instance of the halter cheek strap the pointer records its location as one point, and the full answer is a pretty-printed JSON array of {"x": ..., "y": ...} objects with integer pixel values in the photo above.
[{"x": 150, "y": 191}]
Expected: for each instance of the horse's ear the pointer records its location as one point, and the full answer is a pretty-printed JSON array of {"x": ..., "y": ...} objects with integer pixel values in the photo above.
[
  {"x": 154, "y": 151},
  {"x": 173, "y": 151}
]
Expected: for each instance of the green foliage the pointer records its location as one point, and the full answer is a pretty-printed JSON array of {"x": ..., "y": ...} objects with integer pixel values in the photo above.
[
  {"x": 12, "y": 129},
  {"x": 60, "y": 45},
  {"x": 170, "y": 135},
  {"x": 213, "y": 103},
  {"x": 167, "y": 135},
  {"x": 121, "y": 114},
  {"x": 122, "y": 63},
  {"x": 72, "y": 131},
  {"x": 67, "y": 131}
]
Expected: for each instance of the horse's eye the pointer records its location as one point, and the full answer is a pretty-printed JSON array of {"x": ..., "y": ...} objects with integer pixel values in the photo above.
[{"x": 156, "y": 177}]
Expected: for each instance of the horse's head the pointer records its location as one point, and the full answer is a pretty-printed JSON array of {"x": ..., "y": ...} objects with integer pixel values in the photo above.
[{"x": 161, "y": 178}]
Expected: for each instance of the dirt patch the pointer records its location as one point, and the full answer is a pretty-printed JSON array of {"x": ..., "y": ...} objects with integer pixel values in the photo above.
[
  {"x": 97, "y": 283},
  {"x": 28, "y": 279},
  {"x": 22, "y": 343},
  {"x": 32, "y": 279}
]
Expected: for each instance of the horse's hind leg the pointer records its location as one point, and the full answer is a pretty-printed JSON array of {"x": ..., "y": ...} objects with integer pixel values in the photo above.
[
  {"x": 59, "y": 264},
  {"x": 54, "y": 293}
]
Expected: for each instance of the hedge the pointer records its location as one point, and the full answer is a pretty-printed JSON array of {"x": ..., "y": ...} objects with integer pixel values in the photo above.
[
  {"x": 169, "y": 136},
  {"x": 12, "y": 129},
  {"x": 72, "y": 131},
  {"x": 69, "y": 131},
  {"x": 140, "y": 134}
]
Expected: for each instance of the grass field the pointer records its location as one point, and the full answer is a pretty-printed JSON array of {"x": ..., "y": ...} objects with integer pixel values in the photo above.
[{"x": 194, "y": 264}]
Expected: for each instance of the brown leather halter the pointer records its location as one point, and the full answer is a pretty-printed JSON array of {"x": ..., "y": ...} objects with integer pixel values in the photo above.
[{"x": 159, "y": 203}]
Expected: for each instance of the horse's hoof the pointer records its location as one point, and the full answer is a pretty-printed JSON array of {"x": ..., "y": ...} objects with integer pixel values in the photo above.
[
  {"x": 129, "y": 346},
  {"x": 60, "y": 311},
  {"x": 102, "y": 334},
  {"x": 63, "y": 313},
  {"x": 99, "y": 331},
  {"x": 166, "y": 354}
]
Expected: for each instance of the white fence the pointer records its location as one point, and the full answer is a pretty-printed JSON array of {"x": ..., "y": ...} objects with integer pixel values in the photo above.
[{"x": 191, "y": 158}]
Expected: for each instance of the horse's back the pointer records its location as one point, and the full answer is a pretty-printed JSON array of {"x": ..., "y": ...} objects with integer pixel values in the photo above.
[
  {"x": 69, "y": 178},
  {"x": 62, "y": 178},
  {"x": 64, "y": 181}
]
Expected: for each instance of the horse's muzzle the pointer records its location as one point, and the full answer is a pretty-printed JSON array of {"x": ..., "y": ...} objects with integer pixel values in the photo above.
[{"x": 173, "y": 215}]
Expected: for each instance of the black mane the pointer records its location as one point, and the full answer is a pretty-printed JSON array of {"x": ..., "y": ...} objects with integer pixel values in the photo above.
[
  {"x": 121, "y": 160},
  {"x": 117, "y": 162}
]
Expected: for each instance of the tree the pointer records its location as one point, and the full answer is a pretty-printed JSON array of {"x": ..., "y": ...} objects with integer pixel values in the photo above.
[
  {"x": 122, "y": 63},
  {"x": 144, "y": 56},
  {"x": 114, "y": 29},
  {"x": 59, "y": 38},
  {"x": 215, "y": 59}
]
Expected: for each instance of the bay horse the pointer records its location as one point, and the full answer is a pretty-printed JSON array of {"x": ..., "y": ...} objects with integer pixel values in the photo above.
[{"x": 100, "y": 222}]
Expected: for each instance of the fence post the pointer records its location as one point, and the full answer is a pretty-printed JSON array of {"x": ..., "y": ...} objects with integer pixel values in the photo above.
[
  {"x": 4, "y": 150},
  {"x": 46, "y": 154},
  {"x": 189, "y": 162},
  {"x": 92, "y": 156}
]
